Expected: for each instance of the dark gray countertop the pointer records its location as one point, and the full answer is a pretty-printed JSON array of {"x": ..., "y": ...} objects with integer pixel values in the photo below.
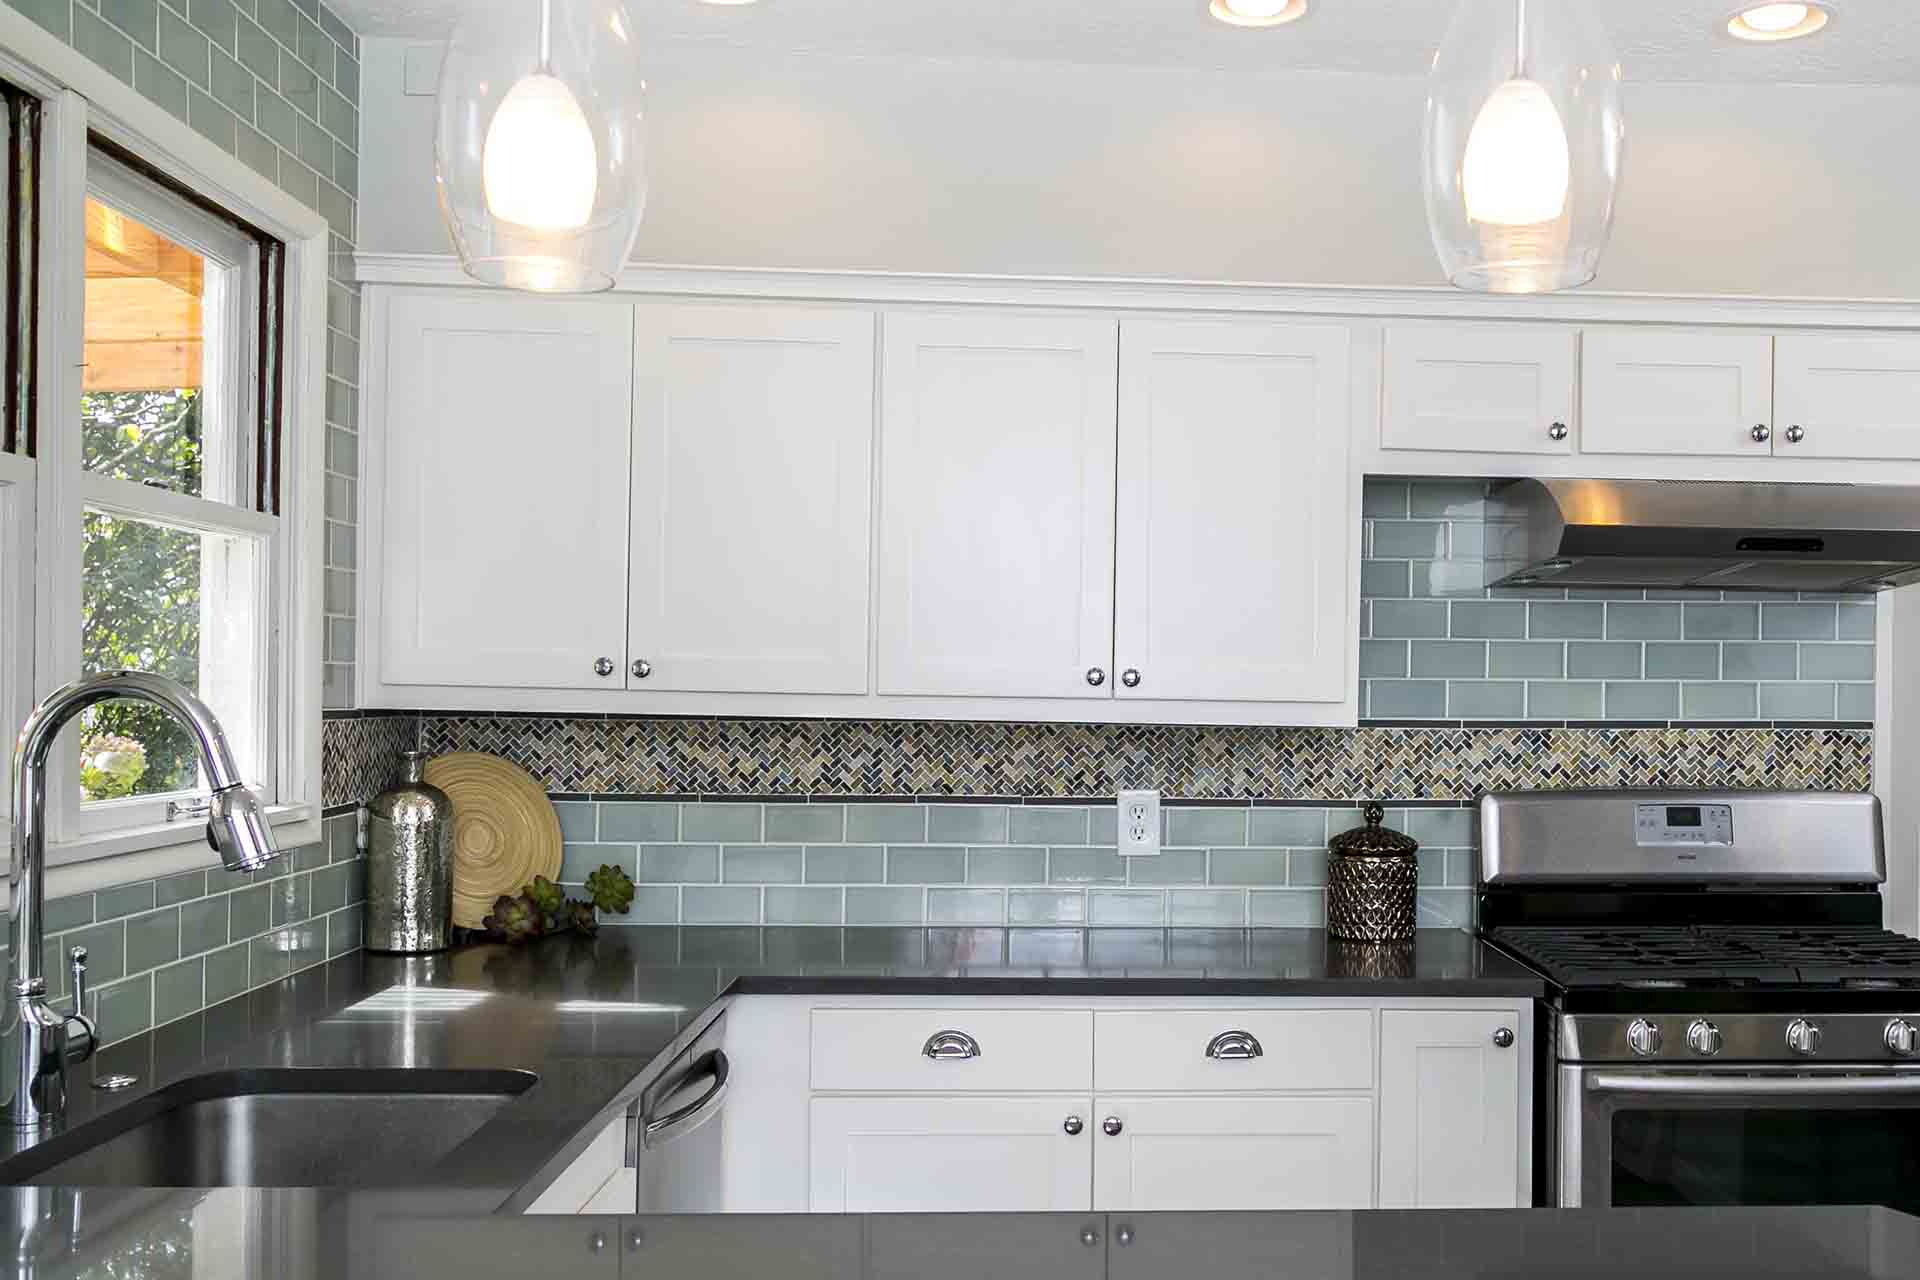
[
  {"x": 214, "y": 1235},
  {"x": 590, "y": 1018}
]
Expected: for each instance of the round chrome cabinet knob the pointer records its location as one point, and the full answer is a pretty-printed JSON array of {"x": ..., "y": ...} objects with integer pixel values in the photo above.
[
  {"x": 1761, "y": 433},
  {"x": 1111, "y": 1126},
  {"x": 1073, "y": 1126},
  {"x": 641, "y": 668},
  {"x": 1558, "y": 431},
  {"x": 1902, "y": 1038},
  {"x": 1643, "y": 1037},
  {"x": 1096, "y": 677},
  {"x": 1803, "y": 1037},
  {"x": 1503, "y": 1038},
  {"x": 1704, "y": 1038},
  {"x": 1089, "y": 1237},
  {"x": 1795, "y": 434},
  {"x": 603, "y": 666},
  {"x": 1130, "y": 678}
]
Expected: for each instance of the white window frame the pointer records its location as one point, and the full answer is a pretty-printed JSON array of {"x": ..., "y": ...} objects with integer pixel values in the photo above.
[
  {"x": 41, "y": 638},
  {"x": 229, "y": 357}
]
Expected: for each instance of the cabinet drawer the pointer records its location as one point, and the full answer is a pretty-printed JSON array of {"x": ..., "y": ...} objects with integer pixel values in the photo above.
[
  {"x": 1299, "y": 1049},
  {"x": 884, "y": 1050}
]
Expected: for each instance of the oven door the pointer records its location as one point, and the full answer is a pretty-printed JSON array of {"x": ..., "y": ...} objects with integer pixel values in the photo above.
[{"x": 1759, "y": 1136}]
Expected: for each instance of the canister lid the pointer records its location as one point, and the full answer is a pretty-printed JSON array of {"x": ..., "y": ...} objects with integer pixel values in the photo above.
[{"x": 1373, "y": 840}]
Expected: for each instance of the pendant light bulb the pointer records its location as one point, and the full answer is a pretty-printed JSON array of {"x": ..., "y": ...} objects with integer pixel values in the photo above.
[
  {"x": 1522, "y": 147},
  {"x": 539, "y": 145},
  {"x": 1517, "y": 168},
  {"x": 538, "y": 165}
]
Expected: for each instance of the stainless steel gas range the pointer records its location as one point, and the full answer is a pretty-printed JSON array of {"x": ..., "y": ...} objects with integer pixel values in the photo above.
[{"x": 1730, "y": 1022}]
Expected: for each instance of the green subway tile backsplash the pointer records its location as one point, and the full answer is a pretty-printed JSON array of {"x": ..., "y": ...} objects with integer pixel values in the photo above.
[
  {"x": 1589, "y": 655},
  {"x": 150, "y": 965}
]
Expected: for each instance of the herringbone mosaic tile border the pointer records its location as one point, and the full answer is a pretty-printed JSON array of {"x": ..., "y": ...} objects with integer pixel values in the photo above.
[
  {"x": 937, "y": 758},
  {"x": 360, "y": 756}
]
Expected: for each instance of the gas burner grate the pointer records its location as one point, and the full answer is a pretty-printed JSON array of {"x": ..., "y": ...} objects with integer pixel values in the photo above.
[{"x": 1640, "y": 956}]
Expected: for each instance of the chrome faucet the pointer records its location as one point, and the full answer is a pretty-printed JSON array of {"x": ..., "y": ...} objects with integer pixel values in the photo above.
[{"x": 48, "y": 1040}]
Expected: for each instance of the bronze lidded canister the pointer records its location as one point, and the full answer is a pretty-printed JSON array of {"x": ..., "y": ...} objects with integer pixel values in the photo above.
[
  {"x": 410, "y": 863},
  {"x": 1371, "y": 882}
]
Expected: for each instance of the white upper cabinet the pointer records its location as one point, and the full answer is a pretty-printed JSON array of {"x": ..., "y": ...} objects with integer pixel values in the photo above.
[
  {"x": 1676, "y": 391},
  {"x": 502, "y": 491},
  {"x": 996, "y": 504},
  {"x": 1847, "y": 397},
  {"x": 1451, "y": 1109},
  {"x": 752, "y": 466},
  {"x": 1487, "y": 388},
  {"x": 1235, "y": 511}
]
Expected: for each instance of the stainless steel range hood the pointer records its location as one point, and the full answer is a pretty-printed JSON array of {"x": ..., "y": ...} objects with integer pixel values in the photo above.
[{"x": 1722, "y": 536}]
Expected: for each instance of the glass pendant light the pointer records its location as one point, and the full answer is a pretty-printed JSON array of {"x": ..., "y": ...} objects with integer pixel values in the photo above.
[
  {"x": 1523, "y": 144},
  {"x": 537, "y": 145}
]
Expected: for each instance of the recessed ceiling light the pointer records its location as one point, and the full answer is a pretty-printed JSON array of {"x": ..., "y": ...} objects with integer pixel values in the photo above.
[
  {"x": 1257, "y": 13},
  {"x": 1768, "y": 22}
]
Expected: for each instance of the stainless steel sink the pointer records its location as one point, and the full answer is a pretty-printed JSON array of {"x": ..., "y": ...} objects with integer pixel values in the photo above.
[{"x": 319, "y": 1127}]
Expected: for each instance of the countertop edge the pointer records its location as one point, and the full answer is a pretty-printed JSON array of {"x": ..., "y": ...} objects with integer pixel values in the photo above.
[{"x": 1092, "y": 985}]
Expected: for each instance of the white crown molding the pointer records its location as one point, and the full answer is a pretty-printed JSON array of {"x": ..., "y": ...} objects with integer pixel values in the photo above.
[{"x": 1435, "y": 302}]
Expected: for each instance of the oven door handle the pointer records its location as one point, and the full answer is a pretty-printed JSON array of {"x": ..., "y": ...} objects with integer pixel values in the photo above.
[{"x": 1752, "y": 1086}]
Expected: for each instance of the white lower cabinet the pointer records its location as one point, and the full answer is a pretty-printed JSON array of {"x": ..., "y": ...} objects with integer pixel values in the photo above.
[
  {"x": 1277, "y": 1104},
  {"x": 1233, "y": 1153},
  {"x": 1453, "y": 1110},
  {"x": 948, "y": 1154},
  {"x": 1104, "y": 1107}
]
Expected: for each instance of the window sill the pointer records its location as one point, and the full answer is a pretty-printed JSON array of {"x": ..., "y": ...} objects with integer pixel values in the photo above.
[{"x": 144, "y": 853}]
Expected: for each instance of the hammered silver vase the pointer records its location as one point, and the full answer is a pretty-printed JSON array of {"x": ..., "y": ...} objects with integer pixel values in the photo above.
[{"x": 410, "y": 863}]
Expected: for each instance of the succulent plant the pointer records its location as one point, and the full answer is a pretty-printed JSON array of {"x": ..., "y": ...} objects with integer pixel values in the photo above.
[
  {"x": 542, "y": 908},
  {"x": 515, "y": 919},
  {"x": 579, "y": 917},
  {"x": 611, "y": 889},
  {"x": 546, "y": 895}
]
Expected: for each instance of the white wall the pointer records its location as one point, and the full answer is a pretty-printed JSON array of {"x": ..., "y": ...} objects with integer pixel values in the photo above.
[{"x": 1056, "y": 169}]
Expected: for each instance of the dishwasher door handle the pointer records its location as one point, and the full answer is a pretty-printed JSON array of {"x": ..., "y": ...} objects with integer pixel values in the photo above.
[{"x": 657, "y": 1131}]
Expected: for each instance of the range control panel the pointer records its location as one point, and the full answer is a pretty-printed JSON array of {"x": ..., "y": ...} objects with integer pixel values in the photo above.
[{"x": 1683, "y": 824}]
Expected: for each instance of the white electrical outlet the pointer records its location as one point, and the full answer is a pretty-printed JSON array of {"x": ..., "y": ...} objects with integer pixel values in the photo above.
[{"x": 1139, "y": 824}]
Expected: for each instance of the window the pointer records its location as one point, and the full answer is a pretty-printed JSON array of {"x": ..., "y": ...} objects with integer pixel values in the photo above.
[
  {"x": 164, "y": 354},
  {"x": 176, "y": 565}
]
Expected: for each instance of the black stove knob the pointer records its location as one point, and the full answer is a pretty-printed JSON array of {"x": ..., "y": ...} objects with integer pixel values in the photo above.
[
  {"x": 1902, "y": 1038},
  {"x": 1703, "y": 1037},
  {"x": 1643, "y": 1037},
  {"x": 1803, "y": 1037}
]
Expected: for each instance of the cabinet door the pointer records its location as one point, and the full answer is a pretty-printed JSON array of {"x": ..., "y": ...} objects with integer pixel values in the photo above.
[
  {"x": 1450, "y": 1100},
  {"x": 955, "y": 1246},
  {"x": 1235, "y": 573},
  {"x": 504, "y": 495},
  {"x": 752, "y": 466},
  {"x": 1233, "y": 1153},
  {"x": 1675, "y": 391},
  {"x": 736, "y": 1246},
  {"x": 996, "y": 505},
  {"x": 949, "y": 1155},
  {"x": 1850, "y": 397},
  {"x": 588, "y": 1175},
  {"x": 1486, "y": 388}
]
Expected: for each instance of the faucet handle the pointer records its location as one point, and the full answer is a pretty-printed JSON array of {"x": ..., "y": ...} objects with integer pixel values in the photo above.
[{"x": 77, "y": 961}]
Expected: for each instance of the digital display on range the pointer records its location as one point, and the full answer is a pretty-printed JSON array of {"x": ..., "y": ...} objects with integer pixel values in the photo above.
[{"x": 1686, "y": 826}]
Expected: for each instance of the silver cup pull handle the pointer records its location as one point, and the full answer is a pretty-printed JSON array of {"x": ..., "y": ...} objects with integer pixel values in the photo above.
[
  {"x": 1234, "y": 1046},
  {"x": 950, "y": 1046}
]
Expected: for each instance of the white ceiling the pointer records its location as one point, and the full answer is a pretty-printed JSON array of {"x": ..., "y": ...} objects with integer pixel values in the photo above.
[{"x": 1868, "y": 42}]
